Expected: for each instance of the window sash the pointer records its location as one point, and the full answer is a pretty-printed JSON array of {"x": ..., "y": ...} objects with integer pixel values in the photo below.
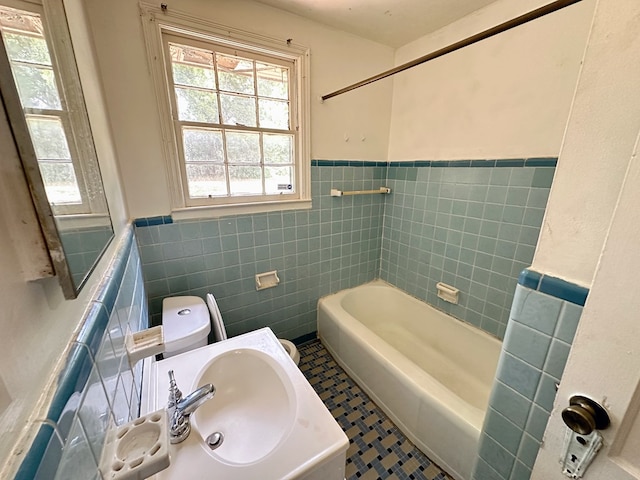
[
  {"x": 72, "y": 111},
  {"x": 83, "y": 206},
  {"x": 230, "y": 198}
]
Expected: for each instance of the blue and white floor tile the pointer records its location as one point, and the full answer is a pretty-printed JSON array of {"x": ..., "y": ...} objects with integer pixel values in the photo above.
[{"x": 377, "y": 448}]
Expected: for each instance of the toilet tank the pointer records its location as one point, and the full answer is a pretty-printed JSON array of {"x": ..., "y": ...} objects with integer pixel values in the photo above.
[{"x": 186, "y": 324}]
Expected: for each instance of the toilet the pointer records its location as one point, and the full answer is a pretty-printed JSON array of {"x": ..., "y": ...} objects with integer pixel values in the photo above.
[
  {"x": 291, "y": 349},
  {"x": 185, "y": 324},
  {"x": 187, "y": 321}
]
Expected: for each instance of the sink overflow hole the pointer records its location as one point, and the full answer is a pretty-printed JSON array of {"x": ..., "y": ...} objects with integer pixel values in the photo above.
[{"x": 215, "y": 440}]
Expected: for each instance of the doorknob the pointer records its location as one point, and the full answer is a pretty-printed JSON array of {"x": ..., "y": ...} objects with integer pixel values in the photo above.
[{"x": 583, "y": 415}]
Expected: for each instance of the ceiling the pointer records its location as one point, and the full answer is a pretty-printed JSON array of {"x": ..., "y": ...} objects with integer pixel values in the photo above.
[{"x": 391, "y": 22}]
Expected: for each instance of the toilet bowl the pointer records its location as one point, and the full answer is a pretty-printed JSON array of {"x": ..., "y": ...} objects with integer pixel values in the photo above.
[
  {"x": 291, "y": 349},
  {"x": 187, "y": 322}
]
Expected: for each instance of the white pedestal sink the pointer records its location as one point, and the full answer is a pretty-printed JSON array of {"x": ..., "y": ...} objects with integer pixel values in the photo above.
[{"x": 273, "y": 424}]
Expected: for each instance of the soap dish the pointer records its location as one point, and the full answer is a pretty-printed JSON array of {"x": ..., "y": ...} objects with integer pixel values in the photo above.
[
  {"x": 137, "y": 449},
  {"x": 448, "y": 293},
  {"x": 144, "y": 343}
]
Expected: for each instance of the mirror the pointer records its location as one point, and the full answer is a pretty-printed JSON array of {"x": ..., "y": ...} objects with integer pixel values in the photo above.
[{"x": 40, "y": 88}]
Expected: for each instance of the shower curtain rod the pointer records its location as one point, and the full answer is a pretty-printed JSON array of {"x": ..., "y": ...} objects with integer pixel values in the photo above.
[{"x": 503, "y": 27}]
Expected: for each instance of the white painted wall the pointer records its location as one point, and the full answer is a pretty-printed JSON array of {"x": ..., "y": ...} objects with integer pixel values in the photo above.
[
  {"x": 337, "y": 59},
  {"x": 37, "y": 323},
  {"x": 505, "y": 97},
  {"x": 597, "y": 146}
]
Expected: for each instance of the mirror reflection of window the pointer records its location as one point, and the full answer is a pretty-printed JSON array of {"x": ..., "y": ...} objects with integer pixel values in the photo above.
[
  {"x": 45, "y": 109},
  {"x": 38, "y": 60}
]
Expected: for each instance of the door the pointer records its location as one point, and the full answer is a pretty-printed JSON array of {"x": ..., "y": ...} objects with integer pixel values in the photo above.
[{"x": 604, "y": 363}]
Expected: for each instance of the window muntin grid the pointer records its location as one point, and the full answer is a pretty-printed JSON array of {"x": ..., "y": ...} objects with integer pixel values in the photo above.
[
  {"x": 233, "y": 118},
  {"x": 45, "y": 109}
]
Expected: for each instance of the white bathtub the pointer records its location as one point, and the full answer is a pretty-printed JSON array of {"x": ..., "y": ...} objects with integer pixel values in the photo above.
[{"x": 432, "y": 374}]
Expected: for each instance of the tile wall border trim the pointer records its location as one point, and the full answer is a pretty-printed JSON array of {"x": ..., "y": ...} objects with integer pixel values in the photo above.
[
  {"x": 506, "y": 162},
  {"x": 306, "y": 338},
  {"x": 151, "y": 221},
  {"x": 82, "y": 348},
  {"x": 348, "y": 163},
  {"x": 553, "y": 286}
]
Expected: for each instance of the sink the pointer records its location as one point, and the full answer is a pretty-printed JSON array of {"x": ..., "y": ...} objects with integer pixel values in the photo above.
[
  {"x": 263, "y": 404},
  {"x": 272, "y": 423}
]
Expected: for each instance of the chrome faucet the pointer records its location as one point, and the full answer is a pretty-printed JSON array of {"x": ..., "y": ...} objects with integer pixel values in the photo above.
[{"x": 180, "y": 408}]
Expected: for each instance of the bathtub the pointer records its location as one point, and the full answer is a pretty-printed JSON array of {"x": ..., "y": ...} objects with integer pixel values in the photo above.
[{"x": 432, "y": 374}]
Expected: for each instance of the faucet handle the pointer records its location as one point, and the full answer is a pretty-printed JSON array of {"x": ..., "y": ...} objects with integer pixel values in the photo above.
[{"x": 175, "y": 395}]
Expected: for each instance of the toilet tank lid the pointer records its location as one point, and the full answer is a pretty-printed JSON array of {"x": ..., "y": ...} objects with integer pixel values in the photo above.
[{"x": 185, "y": 320}]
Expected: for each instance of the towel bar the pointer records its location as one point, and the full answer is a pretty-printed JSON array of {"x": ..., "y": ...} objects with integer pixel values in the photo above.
[{"x": 339, "y": 193}]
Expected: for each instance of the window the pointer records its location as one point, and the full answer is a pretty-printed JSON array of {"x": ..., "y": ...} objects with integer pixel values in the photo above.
[
  {"x": 235, "y": 115},
  {"x": 47, "y": 104},
  {"x": 233, "y": 121}
]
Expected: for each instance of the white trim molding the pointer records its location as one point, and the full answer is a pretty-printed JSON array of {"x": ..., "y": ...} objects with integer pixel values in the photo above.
[{"x": 157, "y": 22}]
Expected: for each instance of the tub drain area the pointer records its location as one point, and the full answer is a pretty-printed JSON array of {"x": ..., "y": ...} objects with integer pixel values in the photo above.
[{"x": 215, "y": 440}]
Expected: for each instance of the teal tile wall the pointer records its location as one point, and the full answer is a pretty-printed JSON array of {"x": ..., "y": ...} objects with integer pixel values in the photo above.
[
  {"x": 534, "y": 353},
  {"x": 333, "y": 246},
  {"x": 82, "y": 247},
  {"x": 98, "y": 387},
  {"x": 474, "y": 228}
]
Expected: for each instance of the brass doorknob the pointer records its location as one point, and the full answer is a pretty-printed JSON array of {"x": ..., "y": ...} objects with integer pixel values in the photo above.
[{"x": 583, "y": 415}]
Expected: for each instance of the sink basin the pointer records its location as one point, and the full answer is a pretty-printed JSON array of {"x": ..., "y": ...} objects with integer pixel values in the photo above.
[
  {"x": 273, "y": 424},
  {"x": 263, "y": 403}
]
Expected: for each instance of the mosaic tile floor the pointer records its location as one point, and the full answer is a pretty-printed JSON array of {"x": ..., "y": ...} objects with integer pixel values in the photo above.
[{"x": 377, "y": 448}]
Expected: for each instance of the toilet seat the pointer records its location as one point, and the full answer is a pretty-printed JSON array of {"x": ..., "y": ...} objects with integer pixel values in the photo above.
[{"x": 219, "y": 330}]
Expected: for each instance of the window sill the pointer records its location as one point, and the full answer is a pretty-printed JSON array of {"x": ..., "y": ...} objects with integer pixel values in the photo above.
[
  {"x": 210, "y": 211},
  {"x": 85, "y": 220}
]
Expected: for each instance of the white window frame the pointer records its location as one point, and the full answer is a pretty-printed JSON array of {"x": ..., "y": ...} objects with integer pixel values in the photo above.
[
  {"x": 158, "y": 22},
  {"x": 73, "y": 114}
]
